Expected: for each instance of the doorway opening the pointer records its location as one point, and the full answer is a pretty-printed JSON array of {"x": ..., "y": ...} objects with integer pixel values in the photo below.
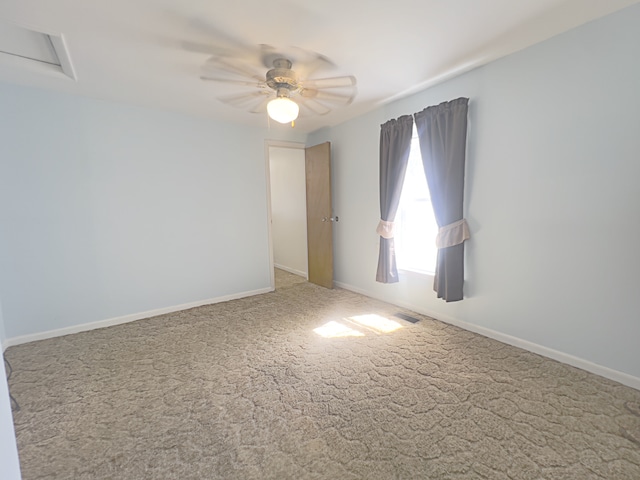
[{"x": 288, "y": 216}]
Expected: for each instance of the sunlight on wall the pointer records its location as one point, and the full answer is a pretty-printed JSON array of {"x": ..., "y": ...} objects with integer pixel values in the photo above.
[{"x": 371, "y": 322}]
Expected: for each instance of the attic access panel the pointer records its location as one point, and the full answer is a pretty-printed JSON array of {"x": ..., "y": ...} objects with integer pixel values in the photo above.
[{"x": 25, "y": 45}]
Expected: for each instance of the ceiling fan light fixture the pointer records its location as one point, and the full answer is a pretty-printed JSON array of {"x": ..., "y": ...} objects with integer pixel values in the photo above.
[{"x": 283, "y": 110}]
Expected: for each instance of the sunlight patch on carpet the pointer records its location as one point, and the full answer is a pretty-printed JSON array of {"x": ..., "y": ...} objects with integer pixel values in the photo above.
[
  {"x": 371, "y": 322},
  {"x": 377, "y": 323},
  {"x": 335, "y": 329}
]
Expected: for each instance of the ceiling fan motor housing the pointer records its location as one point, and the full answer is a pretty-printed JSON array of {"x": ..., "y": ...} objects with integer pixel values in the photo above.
[{"x": 281, "y": 78}]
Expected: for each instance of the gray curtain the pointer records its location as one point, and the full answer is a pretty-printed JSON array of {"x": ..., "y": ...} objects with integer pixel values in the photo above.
[
  {"x": 442, "y": 131},
  {"x": 395, "y": 145}
]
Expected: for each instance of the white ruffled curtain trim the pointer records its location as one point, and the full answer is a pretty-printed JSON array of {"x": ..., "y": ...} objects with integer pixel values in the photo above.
[
  {"x": 385, "y": 229},
  {"x": 453, "y": 234}
]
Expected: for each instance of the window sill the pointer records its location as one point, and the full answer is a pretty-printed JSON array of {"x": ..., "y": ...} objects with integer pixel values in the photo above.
[{"x": 415, "y": 273}]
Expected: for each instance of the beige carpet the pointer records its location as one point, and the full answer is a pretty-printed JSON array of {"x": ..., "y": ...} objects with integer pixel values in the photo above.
[{"x": 248, "y": 390}]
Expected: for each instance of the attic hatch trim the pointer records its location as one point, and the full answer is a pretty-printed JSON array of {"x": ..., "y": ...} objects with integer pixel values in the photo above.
[
  {"x": 60, "y": 47},
  {"x": 41, "y": 65}
]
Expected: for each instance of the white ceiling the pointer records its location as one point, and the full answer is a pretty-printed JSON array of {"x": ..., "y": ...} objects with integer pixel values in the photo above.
[{"x": 142, "y": 51}]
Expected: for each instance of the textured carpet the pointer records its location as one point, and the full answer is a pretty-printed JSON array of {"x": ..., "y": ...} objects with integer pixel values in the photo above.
[{"x": 249, "y": 389}]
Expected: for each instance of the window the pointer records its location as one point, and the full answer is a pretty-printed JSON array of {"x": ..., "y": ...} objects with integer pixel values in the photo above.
[{"x": 416, "y": 227}]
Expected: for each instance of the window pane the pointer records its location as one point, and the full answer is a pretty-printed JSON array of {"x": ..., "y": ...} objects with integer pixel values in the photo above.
[{"x": 416, "y": 227}]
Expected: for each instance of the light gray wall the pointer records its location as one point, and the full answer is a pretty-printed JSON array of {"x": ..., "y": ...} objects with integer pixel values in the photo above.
[
  {"x": 109, "y": 210},
  {"x": 552, "y": 194},
  {"x": 288, "y": 209}
]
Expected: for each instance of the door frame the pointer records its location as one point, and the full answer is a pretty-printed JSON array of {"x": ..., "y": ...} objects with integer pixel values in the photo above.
[{"x": 267, "y": 145}]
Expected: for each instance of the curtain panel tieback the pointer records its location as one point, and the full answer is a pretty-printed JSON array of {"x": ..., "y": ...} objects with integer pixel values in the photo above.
[
  {"x": 385, "y": 229},
  {"x": 453, "y": 234}
]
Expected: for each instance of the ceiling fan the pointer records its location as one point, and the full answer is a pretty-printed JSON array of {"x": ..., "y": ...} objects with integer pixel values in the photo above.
[{"x": 282, "y": 91}]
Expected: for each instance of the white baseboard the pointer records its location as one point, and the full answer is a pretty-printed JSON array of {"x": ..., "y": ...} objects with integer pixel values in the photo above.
[
  {"x": 292, "y": 270},
  {"x": 621, "y": 377},
  {"x": 562, "y": 357},
  {"x": 84, "y": 327}
]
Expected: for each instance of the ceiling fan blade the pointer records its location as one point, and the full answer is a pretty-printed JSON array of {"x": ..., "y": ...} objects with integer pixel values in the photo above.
[
  {"x": 332, "y": 97},
  {"x": 312, "y": 105},
  {"x": 332, "y": 82},
  {"x": 316, "y": 61},
  {"x": 262, "y": 106},
  {"x": 268, "y": 54},
  {"x": 197, "y": 47},
  {"x": 244, "y": 83},
  {"x": 221, "y": 39},
  {"x": 244, "y": 100},
  {"x": 233, "y": 66}
]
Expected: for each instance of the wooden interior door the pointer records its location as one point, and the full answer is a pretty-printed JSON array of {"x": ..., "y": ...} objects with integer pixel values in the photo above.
[{"x": 319, "y": 219}]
